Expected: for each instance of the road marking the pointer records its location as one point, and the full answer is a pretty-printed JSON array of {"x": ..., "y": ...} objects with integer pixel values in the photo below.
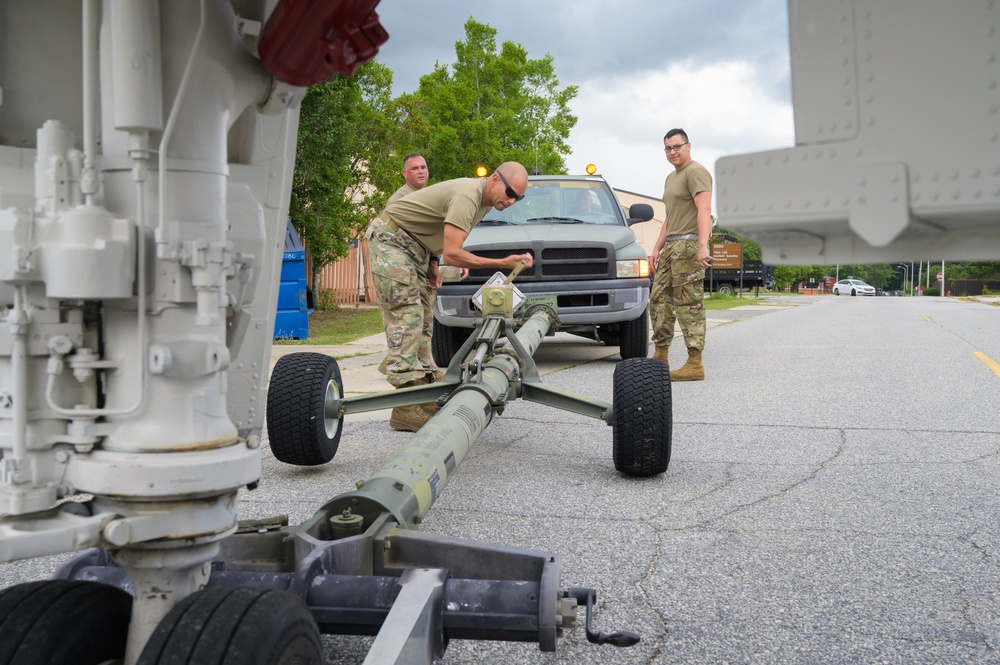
[
  {"x": 928, "y": 319},
  {"x": 989, "y": 362}
]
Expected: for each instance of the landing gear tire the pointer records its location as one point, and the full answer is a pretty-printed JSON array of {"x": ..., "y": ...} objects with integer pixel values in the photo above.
[
  {"x": 726, "y": 289},
  {"x": 634, "y": 337},
  {"x": 63, "y": 622},
  {"x": 236, "y": 626},
  {"x": 446, "y": 341},
  {"x": 298, "y": 428},
  {"x": 642, "y": 417}
]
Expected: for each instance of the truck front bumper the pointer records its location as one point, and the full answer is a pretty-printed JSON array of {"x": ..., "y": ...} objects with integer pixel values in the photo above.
[{"x": 591, "y": 303}]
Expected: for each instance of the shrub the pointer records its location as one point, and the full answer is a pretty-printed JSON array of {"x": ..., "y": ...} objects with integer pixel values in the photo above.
[
  {"x": 932, "y": 291},
  {"x": 325, "y": 299}
]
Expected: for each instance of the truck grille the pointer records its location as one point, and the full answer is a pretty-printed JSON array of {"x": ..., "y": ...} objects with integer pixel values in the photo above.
[{"x": 552, "y": 263}]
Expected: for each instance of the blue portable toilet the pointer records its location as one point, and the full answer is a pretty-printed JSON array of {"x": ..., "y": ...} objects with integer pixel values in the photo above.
[{"x": 294, "y": 306}]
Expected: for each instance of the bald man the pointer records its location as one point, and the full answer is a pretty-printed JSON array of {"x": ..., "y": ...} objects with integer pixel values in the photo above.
[{"x": 407, "y": 242}]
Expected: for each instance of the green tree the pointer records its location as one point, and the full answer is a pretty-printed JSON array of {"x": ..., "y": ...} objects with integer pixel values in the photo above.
[
  {"x": 986, "y": 270},
  {"x": 489, "y": 108},
  {"x": 346, "y": 159},
  {"x": 751, "y": 248},
  {"x": 792, "y": 275}
]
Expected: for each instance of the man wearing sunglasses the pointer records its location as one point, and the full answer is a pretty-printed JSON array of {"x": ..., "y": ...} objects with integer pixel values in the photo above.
[
  {"x": 407, "y": 242},
  {"x": 680, "y": 256}
]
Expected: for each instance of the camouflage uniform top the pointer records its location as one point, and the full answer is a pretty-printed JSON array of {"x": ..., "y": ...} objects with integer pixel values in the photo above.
[
  {"x": 678, "y": 196},
  {"x": 423, "y": 213},
  {"x": 400, "y": 193}
]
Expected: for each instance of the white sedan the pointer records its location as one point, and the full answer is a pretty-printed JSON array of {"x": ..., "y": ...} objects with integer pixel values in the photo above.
[{"x": 853, "y": 286}]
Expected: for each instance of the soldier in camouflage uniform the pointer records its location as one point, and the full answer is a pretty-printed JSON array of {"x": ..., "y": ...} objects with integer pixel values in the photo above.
[
  {"x": 407, "y": 241},
  {"x": 415, "y": 175},
  {"x": 680, "y": 256}
]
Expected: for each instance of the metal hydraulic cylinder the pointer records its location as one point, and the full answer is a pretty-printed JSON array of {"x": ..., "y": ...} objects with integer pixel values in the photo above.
[{"x": 411, "y": 481}]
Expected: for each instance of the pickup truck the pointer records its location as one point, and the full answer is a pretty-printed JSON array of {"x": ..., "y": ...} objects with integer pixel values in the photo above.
[{"x": 584, "y": 254}]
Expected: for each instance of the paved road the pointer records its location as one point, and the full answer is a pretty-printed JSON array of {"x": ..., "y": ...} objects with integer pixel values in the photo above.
[{"x": 832, "y": 495}]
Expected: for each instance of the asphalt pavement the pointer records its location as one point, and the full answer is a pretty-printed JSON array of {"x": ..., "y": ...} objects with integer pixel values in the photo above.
[{"x": 832, "y": 495}]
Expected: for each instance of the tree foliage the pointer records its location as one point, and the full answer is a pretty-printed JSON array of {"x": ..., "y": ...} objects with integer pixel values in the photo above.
[
  {"x": 984, "y": 270},
  {"x": 751, "y": 248},
  {"x": 346, "y": 159},
  {"x": 489, "y": 108},
  {"x": 888, "y": 275}
]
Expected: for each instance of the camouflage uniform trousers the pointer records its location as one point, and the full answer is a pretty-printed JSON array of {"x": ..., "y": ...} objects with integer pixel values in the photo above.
[
  {"x": 678, "y": 295},
  {"x": 399, "y": 271}
]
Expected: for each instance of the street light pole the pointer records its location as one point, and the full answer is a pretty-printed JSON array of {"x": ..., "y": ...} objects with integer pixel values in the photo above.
[{"x": 905, "y": 275}]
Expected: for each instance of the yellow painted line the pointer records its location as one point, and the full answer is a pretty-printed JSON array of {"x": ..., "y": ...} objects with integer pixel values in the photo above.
[
  {"x": 928, "y": 319},
  {"x": 989, "y": 362}
]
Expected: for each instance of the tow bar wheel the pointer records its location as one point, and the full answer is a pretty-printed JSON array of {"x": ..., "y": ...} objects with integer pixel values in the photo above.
[
  {"x": 298, "y": 428},
  {"x": 642, "y": 417}
]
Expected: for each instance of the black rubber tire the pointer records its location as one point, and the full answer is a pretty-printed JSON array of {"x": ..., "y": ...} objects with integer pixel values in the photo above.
[
  {"x": 297, "y": 427},
  {"x": 63, "y": 622},
  {"x": 643, "y": 418},
  {"x": 236, "y": 626},
  {"x": 446, "y": 341},
  {"x": 633, "y": 341},
  {"x": 726, "y": 289},
  {"x": 854, "y": 292},
  {"x": 836, "y": 292}
]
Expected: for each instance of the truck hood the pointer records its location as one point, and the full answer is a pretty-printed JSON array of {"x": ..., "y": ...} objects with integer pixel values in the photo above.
[{"x": 525, "y": 235}]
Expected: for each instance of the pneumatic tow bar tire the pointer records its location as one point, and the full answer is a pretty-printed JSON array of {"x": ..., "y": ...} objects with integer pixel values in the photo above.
[
  {"x": 643, "y": 420},
  {"x": 298, "y": 428}
]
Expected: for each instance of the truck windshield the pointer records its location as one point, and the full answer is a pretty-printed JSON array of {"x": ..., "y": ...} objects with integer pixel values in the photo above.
[{"x": 561, "y": 202}]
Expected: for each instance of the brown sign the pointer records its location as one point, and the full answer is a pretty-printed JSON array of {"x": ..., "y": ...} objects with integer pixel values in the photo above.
[{"x": 727, "y": 255}]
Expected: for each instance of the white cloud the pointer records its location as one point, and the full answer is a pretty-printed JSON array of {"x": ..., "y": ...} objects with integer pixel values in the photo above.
[{"x": 723, "y": 106}]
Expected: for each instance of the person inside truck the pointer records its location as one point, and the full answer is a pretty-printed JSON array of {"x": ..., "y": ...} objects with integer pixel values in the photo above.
[{"x": 583, "y": 203}]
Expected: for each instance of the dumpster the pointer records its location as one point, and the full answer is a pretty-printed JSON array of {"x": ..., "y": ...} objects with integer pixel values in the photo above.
[{"x": 294, "y": 297}]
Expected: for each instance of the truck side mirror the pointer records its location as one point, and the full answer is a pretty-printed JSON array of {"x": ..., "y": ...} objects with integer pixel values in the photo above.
[{"x": 639, "y": 212}]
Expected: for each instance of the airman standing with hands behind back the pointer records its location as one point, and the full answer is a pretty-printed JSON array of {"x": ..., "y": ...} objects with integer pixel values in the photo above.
[
  {"x": 407, "y": 242},
  {"x": 680, "y": 256}
]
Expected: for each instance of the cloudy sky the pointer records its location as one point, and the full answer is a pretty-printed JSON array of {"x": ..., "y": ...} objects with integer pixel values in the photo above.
[{"x": 717, "y": 68}]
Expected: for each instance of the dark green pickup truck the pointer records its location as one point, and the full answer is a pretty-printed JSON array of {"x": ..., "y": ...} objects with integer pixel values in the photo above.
[{"x": 584, "y": 254}]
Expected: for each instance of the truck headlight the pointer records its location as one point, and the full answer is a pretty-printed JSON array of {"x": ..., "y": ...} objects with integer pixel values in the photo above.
[{"x": 633, "y": 268}]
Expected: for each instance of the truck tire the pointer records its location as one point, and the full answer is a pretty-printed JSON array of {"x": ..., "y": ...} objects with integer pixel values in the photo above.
[
  {"x": 446, "y": 341},
  {"x": 298, "y": 428},
  {"x": 633, "y": 340},
  {"x": 641, "y": 429},
  {"x": 726, "y": 289}
]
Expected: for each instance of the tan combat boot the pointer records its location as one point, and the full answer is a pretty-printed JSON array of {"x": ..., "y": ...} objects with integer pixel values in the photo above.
[
  {"x": 383, "y": 366},
  {"x": 692, "y": 369},
  {"x": 411, "y": 418},
  {"x": 661, "y": 355}
]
